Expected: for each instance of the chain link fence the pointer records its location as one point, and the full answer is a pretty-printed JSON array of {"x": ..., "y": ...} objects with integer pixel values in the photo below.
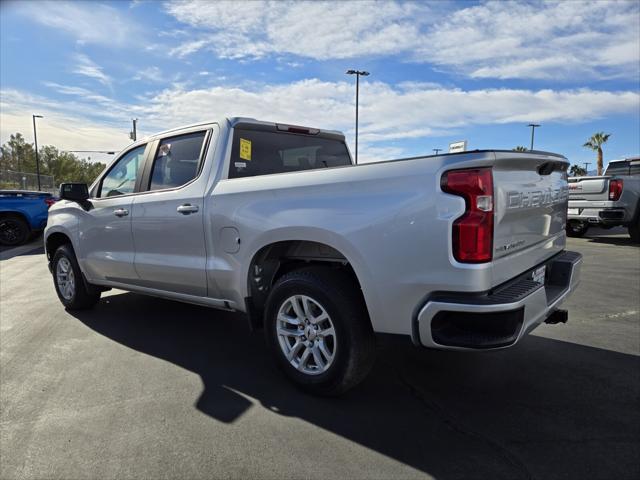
[{"x": 10, "y": 180}]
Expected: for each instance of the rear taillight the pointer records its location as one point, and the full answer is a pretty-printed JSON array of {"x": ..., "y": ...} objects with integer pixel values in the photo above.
[
  {"x": 473, "y": 231},
  {"x": 615, "y": 189},
  {"x": 49, "y": 201}
]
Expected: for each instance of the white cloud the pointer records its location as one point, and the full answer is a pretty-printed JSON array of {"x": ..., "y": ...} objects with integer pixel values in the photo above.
[
  {"x": 88, "y": 22},
  {"x": 61, "y": 125},
  {"x": 543, "y": 40},
  {"x": 317, "y": 30},
  {"x": 89, "y": 68},
  {"x": 538, "y": 40},
  {"x": 150, "y": 74},
  {"x": 389, "y": 115}
]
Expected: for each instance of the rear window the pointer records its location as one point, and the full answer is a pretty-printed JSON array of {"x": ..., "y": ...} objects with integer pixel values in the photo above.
[
  {"x": 262, "y": 153},
  {"x": 617, "y": 168}
]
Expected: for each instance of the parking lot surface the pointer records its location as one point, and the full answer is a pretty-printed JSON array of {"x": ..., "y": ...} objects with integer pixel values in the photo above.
[{"x": 147, "y": 388}]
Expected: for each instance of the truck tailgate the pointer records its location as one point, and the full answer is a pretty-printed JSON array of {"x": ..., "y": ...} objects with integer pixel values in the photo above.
[
  {"x": 590, "y": 188},
  {"x": 530, "y": 211}
]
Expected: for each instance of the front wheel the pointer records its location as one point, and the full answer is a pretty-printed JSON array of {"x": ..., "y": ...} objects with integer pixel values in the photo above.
[
  {"x": 318, "y": 330},
  {"x": 72, "y": 290},
  {"x": 577, "y": 229}
]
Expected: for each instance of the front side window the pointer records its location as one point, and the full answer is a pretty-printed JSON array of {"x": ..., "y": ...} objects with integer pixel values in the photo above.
[
  {"x": 177, "y": 161},
  {"x": 122, "y": 177},
  {"x": 257, "y": 152}
]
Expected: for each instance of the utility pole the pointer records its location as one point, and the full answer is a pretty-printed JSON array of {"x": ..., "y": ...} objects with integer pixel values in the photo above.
[
  {"x": 533, "y": 129},
  {"x": 357, "y": 73},
  {"x": 437, "y": 150},
  {"x": 35, "y": 141},
  {"x": 133, "y": 134},
  {"x": 586, "y": 167}
]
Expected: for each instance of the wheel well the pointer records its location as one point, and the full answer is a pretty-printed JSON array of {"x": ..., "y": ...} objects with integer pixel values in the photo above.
[
  {"x": 277, "y": 259},
  {"x": 54, "y": 241},
  {"x": 19, "y": 215}
]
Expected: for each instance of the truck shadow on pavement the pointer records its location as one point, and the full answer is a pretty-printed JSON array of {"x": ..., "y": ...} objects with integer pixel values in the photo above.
[
  {"x": 621, "y": 241},
  {"x": 544, "y": 409}
]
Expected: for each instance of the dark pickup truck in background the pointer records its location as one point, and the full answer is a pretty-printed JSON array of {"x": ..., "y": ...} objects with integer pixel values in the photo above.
[
  {"x": 22, "y": 214},
  {"x": 606, "y": 201}
]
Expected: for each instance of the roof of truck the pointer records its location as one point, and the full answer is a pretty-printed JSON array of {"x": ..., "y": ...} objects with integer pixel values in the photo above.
[
  {"x": 233, "y": 121},
  {"x": 630, "y": 159}
]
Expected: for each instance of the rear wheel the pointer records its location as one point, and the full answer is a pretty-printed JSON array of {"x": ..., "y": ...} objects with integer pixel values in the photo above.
[
  {"x": 577, "y": 229},
  {"x": 72, "y": 289},
  {"x": 318, "y": 330},
  {"x": 13, "y": 230}
]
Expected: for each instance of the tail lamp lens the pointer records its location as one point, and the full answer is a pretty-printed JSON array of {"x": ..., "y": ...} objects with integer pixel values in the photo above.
[
  {"x": 49, "y": 201},
  {"x": 473, "y": 231},
  {"x": 615, "y": 189}
]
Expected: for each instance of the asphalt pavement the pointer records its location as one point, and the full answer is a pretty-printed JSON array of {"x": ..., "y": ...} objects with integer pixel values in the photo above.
[{"x": 146, "y": 388}]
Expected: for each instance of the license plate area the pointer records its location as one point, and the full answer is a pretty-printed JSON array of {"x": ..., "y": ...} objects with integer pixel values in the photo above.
[{"x": 539, "y": 275}]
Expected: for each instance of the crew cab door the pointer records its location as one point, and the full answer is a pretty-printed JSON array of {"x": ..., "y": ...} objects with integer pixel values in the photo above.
[
  {"x": 106, "y": 243},
  {"x": 168, "y": 226}
]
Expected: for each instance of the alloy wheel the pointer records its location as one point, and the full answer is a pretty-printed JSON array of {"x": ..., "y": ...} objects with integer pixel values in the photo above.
[
  {"x": 306, "y": 334},
  {"x": 65, "y": 278}
]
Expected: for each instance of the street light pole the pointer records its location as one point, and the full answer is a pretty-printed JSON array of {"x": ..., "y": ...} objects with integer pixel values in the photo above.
[
  {"x": 133, "y": 135},
  {"x": 586, "y": 167},
  {"x": 35, "y": 141},
  {"x": 357, "y": 73},
  {"x": 437, "y": 150},
  {"x": 533, "y": 129}
]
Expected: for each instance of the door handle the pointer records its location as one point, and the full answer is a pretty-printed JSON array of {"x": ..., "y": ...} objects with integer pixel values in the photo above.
[
  {"x": 121, "y": 212},
  {"x": 187, "y": 208}
]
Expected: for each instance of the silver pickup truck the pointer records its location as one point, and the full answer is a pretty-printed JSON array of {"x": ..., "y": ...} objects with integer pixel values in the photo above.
[
  {"x": 606, "y": 201},
  {"x": 461, "y": 251}
]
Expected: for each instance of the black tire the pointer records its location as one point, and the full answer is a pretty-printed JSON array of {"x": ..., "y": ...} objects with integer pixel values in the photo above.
[
  {"x": 83, "y": 295},
  {"x": 577, "y": 229},
  {"x": 13, "y": 230},
  {"x": 634, "y": 231},
  {"x": 340, "y": 296}
]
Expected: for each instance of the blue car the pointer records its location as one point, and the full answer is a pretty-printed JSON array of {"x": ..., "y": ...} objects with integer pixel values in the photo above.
[{"x": 22, "y": 214}]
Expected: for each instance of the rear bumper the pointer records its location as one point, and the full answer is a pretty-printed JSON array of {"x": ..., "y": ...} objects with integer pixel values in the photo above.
[
  {"x": 499, "y": 318},
  {"x": 600, "y": 215}
]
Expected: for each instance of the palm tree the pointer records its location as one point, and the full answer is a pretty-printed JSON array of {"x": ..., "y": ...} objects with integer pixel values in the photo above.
[
  {"x": 595, "y": 143},
  {"x": 577, "y": 171},
  {"x": 520, "y": 148}
]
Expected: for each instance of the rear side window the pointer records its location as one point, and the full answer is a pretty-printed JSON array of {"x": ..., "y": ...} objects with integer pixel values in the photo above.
[
  {"x": 618, "y": 168},
  {"x": 634, "y": 167},
  {"x": 177, "y": 161},
  {"x": 262, "y": 153}
]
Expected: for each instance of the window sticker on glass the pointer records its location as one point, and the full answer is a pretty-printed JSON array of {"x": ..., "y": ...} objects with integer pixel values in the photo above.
[{"x": 245, "y": 149}]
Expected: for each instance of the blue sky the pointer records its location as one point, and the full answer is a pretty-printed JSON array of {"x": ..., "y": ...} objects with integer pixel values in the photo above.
[{"x": 440, "y": 72}]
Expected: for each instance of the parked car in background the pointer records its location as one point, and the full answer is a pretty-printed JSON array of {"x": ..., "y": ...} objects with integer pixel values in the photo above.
[
  {"x": 23, "y": 214},
  {"x": 610, "y": 200},
  {"x": 461, "y": 251}
]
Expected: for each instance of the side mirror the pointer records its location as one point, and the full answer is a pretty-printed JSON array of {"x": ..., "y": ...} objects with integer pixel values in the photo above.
[{"x": 76, "y": 192}]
